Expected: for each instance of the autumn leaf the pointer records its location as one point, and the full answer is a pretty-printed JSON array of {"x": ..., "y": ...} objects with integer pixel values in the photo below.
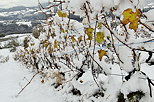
[
  {"x": 61, "y": 14},
  {"x": 99, "y": 25},
  {"x": 100, "y": 37},
  {"x": 50, "y": 50},
  {"x": 80, "y": 39},
  {"x": 101, "y": 53},
  {"x": 32, "y": 44},
  {"x": 73, "y": 39},
  {"x": 133, "y": 25},
  {"x": 55, "y": 44},
  {"x": 127, "y": 14},
  {"x": 89, "y": 32},
  {"x": 132, "y": 18},
  {"x": 45, "y": 44},
  {"x": 62, "y": 30}
]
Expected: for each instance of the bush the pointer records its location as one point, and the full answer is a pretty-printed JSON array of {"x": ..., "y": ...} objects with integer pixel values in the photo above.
[
  {"x": 4, "y": 59},
  {"x": 12, "y": 43},
  {"x": 36, "y": 31}
]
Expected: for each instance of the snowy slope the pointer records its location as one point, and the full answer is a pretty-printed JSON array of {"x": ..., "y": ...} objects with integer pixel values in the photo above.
[{"x": 14, "y": 76}]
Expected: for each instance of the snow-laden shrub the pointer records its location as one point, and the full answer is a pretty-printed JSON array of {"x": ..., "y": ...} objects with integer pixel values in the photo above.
[
  {"x": 4, "y": 59},
  {"x": 97, "y": 58},
  {"x": 36, "y": 31}
]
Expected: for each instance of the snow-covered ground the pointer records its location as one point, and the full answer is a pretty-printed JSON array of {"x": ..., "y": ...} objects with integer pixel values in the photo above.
[
  {"x": 69, "y": 86},
  {"x": 14, "y": 76}
]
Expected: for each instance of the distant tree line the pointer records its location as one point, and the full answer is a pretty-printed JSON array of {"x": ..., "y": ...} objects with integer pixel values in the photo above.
[{"x": 14, "y": 28}]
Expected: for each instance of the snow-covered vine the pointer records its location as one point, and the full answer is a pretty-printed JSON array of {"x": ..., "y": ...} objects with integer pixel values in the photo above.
[{"x": 93, "y": 49}]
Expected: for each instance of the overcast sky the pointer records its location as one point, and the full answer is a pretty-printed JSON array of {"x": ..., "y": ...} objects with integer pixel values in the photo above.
[{"x": 11, "y": 3}]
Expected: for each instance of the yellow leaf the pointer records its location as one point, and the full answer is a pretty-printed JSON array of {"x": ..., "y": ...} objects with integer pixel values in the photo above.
[
  {"x": 99, "y": 25},
  {"x": 50, "y": 50},
  {"x": 127, "y": 14},
  {"x": 132, "y": 18},
  {"x": 73, "y": 39},
  {"x": 138, "y": 13},
  {"x": 55, "y": 44},
  {"x": 134, "y": 25},
  {"x": 45, "y": 44},
  {"x": 62, "y": 30},
  {"x": 32, "y": 44},
  {"x": 89, "y": 32},
  {"x": 100, "y": 37},
  {"x": 80, "y": 39},
  {"x": 101, "y": 53},
  {"x": 61, "y": 14}
]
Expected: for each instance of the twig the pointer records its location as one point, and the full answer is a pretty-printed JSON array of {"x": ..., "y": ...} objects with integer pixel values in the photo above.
[
  {"x": 95, "y": 36},
  {"x": 127, "y": 44},
  {"x": 71, "y": 79},
  {"x": 112, "y": 33},
  {"x": 60, "y": 2},
  {"x": 146, "y": 26},
  {"x": 26, "y": 84},
  {"x": 96, "y": 61}
]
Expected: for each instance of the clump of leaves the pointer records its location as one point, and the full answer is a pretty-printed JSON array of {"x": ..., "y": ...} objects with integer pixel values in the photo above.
[
  {"x": 36, "y": 32},
  {"x": 12, "y": 44},
  {"x": 4, "y": 59},
  {"x": 59, "y": 78}
]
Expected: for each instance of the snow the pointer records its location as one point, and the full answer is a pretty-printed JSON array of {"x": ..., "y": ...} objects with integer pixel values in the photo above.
[
  {"x": 24, "y": 23},
  {"x": 14, "y": 76},
  {"x": 150, "y": 15},
  {"x": 73, "y": 71}
]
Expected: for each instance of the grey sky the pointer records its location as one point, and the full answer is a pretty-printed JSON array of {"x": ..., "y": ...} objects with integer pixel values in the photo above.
[{"x": 11, "y": 3}]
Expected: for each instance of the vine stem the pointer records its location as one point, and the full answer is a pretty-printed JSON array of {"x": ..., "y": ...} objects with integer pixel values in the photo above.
[{"x": 27, "y": 84}]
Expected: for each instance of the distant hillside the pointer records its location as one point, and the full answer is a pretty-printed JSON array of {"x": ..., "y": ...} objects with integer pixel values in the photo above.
[
  {"x": 21, "y": 13},
  {"x": 17, "y": 8},
  {"x": 10, "y": 17}
]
